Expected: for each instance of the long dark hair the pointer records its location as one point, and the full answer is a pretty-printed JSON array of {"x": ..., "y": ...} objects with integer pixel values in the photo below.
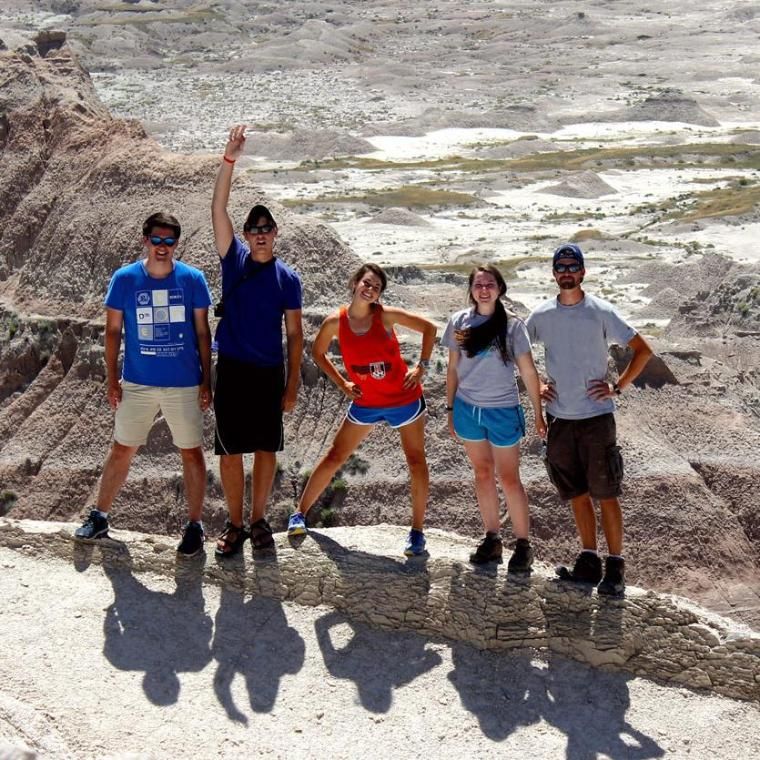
[{"x": 494, "y": 329}]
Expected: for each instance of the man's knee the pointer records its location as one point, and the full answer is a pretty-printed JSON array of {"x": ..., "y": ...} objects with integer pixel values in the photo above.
[
  {"x": 193, "y": 456},
  {"x": 122, "y": 453}
]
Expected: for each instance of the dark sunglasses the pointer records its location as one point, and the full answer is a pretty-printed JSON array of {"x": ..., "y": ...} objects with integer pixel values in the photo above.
[
  {"x": 265, "y": 229},
  {"x": 572, "y": 268},
  {"x": 157, "y": 240}
]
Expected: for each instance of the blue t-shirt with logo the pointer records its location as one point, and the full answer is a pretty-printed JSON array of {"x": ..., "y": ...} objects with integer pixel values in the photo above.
[
  {"x": 160, "y": 344},
  {"x": 256, "y": 297}
]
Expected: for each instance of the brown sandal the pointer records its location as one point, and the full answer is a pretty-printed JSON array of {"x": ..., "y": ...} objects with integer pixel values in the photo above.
[
  {"x": 231, "y": 541},
  {"x": 261, "y": 534}
]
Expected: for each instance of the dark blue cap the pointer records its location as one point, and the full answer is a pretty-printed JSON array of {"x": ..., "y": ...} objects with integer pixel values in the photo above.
[{"x": 568, "y": 251}]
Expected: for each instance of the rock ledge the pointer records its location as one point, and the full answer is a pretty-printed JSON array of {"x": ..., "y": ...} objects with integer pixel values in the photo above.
[{"x": 359, "y": 572}]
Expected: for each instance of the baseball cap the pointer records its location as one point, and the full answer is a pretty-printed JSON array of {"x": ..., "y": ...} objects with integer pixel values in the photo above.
[
  {"x": 256, "y": 213},
  {"x": 568, "y": 251}
]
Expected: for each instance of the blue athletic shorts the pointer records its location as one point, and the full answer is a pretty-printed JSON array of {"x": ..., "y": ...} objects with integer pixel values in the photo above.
[
  {"x": 500, "y": 426},
  {"x": 395, "y": 416}
]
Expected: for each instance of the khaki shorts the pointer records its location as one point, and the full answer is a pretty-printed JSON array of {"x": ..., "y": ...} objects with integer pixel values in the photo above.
[{"x": 140, "y": 404}]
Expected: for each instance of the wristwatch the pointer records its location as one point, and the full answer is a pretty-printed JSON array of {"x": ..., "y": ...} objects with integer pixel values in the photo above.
[
  {"x": 616, "y": 389},
  {"x": 424, "y": 363}
]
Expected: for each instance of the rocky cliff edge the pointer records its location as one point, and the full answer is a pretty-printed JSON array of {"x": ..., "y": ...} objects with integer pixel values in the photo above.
[{"x": 358, "y": 572}]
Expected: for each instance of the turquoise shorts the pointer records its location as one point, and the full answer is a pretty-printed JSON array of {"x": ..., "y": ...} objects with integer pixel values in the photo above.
[
  {"x": 501, "y": 426},
  {"x": 395, "y": 416}
]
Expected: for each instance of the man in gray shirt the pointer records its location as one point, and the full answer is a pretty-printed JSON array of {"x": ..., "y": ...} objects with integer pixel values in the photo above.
[{"x": 583, "y": 459}]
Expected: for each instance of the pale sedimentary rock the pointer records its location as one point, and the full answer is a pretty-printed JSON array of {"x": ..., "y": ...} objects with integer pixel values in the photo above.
[{"x": 359, "y": 572}]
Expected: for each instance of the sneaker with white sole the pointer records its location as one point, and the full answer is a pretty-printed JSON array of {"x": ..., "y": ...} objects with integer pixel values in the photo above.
[
  {"x": 297, "y": 524},
  {"x": 415, "y": 543},
  {"x": 192, "y": 541},
  {"x": 95, "y": 526}
]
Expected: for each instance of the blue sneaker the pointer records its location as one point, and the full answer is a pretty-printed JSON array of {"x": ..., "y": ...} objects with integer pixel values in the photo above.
[
  {"x": 296, "y": 524},
  {"x": 415, "y": 543}
]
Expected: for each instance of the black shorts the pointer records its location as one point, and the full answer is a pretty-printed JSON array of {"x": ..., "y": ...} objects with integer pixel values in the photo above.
[
  {"x": 583, "y": 457},
  {"x": 248, "y": 407}
]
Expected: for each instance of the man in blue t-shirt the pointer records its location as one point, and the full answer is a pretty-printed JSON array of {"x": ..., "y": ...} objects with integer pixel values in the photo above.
[
  {"x": 583, "y": 458},
  {"x": 162, "y": 306},
  {"x": 252, "y": 387}
]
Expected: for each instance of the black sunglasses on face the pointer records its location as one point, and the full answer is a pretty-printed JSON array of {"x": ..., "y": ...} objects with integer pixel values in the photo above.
[
  {"x": 157, "y": 240},
  {"x": 572, "y": 268},
  {"x": 265, "y": 229}
]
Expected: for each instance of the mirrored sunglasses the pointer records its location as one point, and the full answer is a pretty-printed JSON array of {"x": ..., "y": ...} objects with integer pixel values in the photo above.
[
  {"x": 562, "y": 268},
  {"x": 265, "y": 229},
  {"x": 157, "y": 240}
]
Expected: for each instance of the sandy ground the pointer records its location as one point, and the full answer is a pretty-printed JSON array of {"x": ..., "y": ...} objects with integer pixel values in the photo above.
[{"x": 214, "y": 674}]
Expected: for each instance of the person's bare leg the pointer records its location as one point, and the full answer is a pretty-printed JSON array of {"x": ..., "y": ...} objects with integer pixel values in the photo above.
[
  {"x": 413, "y": 442},
  {"x": 585, "y": 520},
  {"x": 481, "y": 458},
  {"x": 115, "y": 471},
  {"x": 194, "y": 472},
  {"x": 346, "y": 441},
  {"x": 612, "y": 525},
  {"x": 507, "y": 460},
  {"x": 233, "y": 485},
  {"x": 262, "y": 477}
]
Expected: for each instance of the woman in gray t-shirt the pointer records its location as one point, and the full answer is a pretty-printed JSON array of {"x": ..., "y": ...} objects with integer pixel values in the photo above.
[{"x": 485, "y": 346}]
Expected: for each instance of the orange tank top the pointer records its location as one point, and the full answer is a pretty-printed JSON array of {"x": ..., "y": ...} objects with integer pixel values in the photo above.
[{"x": 373, "y": 361}]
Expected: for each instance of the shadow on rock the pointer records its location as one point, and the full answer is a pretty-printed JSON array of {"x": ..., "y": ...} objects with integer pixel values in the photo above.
[
  {"x": 589, "y": 707},
  {"x": 156, "y": 632},
  {"x": 253, "y": 638},
  {"x": 504, "y": 692},
  {"x": 377, "y": 662}
]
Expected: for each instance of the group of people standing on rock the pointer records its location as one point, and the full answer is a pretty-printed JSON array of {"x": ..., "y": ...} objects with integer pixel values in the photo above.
[{"x": 161, "y": 305}]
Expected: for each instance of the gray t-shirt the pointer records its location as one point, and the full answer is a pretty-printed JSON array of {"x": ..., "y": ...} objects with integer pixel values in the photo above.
[
  {"x": 486, "y": 380},
  {"x": 576, "y": 340}
]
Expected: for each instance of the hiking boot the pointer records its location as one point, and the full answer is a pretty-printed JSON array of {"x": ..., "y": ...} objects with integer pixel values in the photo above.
[
  {"x": 94, "y": 526},
  {"x": 521, "y": 560},
  {"x": 587, "y": 569},
  {"x": 192, "y": 539},
  {"x": 489, "y": 550},
  {"x": 415, "y": 543},
  {"x": 613, "y": 583},
  {"x": 261, "y": 534},
  {"x": 297, "y": 524}
]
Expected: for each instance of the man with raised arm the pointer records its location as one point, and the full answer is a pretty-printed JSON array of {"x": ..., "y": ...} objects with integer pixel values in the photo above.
[
  {"x": 583, "y": 459},
  {"x": 253, "y": 388},
  {"x": 162, "y": 305}
]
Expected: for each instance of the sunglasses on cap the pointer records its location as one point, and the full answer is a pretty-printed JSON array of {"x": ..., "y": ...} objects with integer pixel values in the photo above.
[
  {"x": 265, "y": 229},
  {"x": 572, "y": 268},
  {"x": 158, "y": 240}
]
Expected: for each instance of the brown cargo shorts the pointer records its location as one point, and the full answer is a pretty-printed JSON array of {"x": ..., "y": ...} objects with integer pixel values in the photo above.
[{"x": 582, "y": 456}]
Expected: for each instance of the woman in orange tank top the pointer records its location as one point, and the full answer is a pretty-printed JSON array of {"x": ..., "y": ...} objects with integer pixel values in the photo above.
[{"x": 381, "y": 387}]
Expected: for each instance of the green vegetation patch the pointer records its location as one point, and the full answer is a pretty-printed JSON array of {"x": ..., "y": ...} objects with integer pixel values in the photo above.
[
  {"x": 734, "y": 200},
  {"x": 406, "y": 196},
  {"x": 739, "y": 197},
  {"x": 690, "y": 155}
]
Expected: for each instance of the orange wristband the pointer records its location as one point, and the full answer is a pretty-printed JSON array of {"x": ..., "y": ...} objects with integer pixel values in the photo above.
[{"x": 229, "y": 160}]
